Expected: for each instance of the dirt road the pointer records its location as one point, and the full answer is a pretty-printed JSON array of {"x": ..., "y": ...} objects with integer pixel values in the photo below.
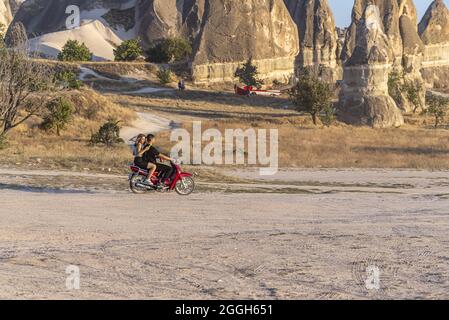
[{"x": 327, "y": 243}]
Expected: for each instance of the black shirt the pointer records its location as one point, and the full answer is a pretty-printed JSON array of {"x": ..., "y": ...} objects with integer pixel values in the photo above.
[{"x": 151, "y": 155}]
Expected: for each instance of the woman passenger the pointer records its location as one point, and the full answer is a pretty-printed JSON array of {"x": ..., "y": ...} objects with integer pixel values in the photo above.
[{"x": 140, "y": 147}]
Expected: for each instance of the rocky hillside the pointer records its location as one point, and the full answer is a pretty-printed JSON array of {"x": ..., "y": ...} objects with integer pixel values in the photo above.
[
  {"x": 281, "y": 36},
  {"x": 217, "y": 29},
  {"x": 233, "y": 31},
  {"x": 364, "y": 98},
  {"x": 434, "y": 31},
  {"x": 318, "y": 37}
]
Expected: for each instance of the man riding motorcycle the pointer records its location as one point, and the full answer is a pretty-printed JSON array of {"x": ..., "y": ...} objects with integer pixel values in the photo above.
[{"x": 152, "y": 154}]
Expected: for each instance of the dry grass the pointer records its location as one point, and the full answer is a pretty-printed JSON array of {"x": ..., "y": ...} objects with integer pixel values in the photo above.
[
  {"x": 344, "y": 146},
  {"x": 415, "y": 145},
  {"x": 29, "y": 146},
  {"x": 93, "y": 109}
]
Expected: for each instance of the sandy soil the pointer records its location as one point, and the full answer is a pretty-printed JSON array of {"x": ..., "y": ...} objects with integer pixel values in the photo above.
[
  {"x": 145, "y": 123},
  {"x": 317, "y": 243},
  {"x": 98, "y": 37}
]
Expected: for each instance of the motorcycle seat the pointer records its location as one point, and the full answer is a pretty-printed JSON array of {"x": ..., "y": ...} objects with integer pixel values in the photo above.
[{"x": 141, "y": 171}]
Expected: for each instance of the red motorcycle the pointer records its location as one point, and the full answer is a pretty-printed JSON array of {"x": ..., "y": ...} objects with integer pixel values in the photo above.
[{"x": 182, "y": 182}]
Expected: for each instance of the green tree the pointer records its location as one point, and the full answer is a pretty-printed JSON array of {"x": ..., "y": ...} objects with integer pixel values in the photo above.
[
  {"x": 75, "y": 51},
  {"x": 108, "y": 134},
  {"x": 412, "y": 90},
  {"x": 395, "y": 79},
  {"x": 311, "y": 95},
  {"x": 129, "y": 50},
  {"x": 328, "y": 116},
  {"x": 437, "y": 107},
  {"x": 58, "y": 116},
  {"x": 164, "y": 75},
  {"x": 248, "y": 74},
  {"x": 169, "y": 50}
]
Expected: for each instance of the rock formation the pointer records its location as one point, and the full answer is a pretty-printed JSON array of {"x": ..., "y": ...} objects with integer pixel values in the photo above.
[
  {"x": 15, "y": 5},
  {"x": 46, "y": 16},
  {"x": 412, "y": 55},
  {"x": 223, "y": 33},
  {"x": 160, "y": 19},
  {"x": 399, "y": 22},
  {"x": 389, "y": 15},
  {"x": 5, "y": 13},
  {"x": 318, "y": 37},
  {"x": 233, "y": 31},
  {"x": 364, "y": 99},
  {"x": 434, "y": 32}
]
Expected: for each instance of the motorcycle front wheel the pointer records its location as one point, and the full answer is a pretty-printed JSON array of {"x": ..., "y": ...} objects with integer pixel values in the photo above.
[
  {"x": 185, "y": 186},
  {"x": 133, "y": 181}
]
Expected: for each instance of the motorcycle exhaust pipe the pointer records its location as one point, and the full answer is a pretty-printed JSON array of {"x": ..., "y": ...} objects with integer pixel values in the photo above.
[{"x": 141, "y": 185}]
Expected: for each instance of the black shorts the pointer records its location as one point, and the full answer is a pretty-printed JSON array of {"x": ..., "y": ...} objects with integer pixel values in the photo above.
[{"x": 142, "y": 164}]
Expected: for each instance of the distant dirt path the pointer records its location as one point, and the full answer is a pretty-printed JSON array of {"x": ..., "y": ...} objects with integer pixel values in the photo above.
[
  {"x": 232, "y": 245},
  {"x": 440, "y": 94},
  {"x": 146, "y": 123}
]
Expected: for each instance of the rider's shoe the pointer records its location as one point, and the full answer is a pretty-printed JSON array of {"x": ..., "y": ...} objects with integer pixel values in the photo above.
[{"x": 148, "y": 182}]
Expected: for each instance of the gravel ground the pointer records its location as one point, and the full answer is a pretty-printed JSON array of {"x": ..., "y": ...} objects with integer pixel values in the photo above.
[{"x": 357, "y": 235}]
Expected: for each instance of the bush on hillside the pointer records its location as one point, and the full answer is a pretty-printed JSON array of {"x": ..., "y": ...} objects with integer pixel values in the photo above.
[
  {"x": 108, "y": 134},
  {"x": 75, "y": 51},
  {"x": 58, "y": 115},
  {"x": 164, "y": 75},
  {"x": 129, "y": 50},
  {"x": 169, "y": 50}
]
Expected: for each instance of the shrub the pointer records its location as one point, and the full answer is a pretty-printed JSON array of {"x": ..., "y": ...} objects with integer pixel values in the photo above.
[
  {"x": 402, "y": 90},
  {"x": 75, "y": 51},
  {"x": 395, "y": 79},
  {"x": 59, "y": 114},
  {"x": 68, "y": 80},
  {"x": 328, "y": 118},
  {"x": 108, "y": 134},
  {"x": 170, "y": 50},
  {"x": 248, "y": 74},
  {"x": 311, "y": 95},
  {"x": 164, "y": 75},
  {"x": 413, "y": 90},
  {"x": 437, "y": 107},
  {"x": 129, "y": 50}
]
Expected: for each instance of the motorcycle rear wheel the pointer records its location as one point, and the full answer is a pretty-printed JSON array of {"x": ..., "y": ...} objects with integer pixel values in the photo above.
[
  {"x": 185, "y": 186},
  {"x": 135, "y": 179}
]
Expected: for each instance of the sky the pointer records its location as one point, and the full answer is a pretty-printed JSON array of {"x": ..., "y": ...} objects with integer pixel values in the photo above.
[{"x": 342, "y": 10}]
